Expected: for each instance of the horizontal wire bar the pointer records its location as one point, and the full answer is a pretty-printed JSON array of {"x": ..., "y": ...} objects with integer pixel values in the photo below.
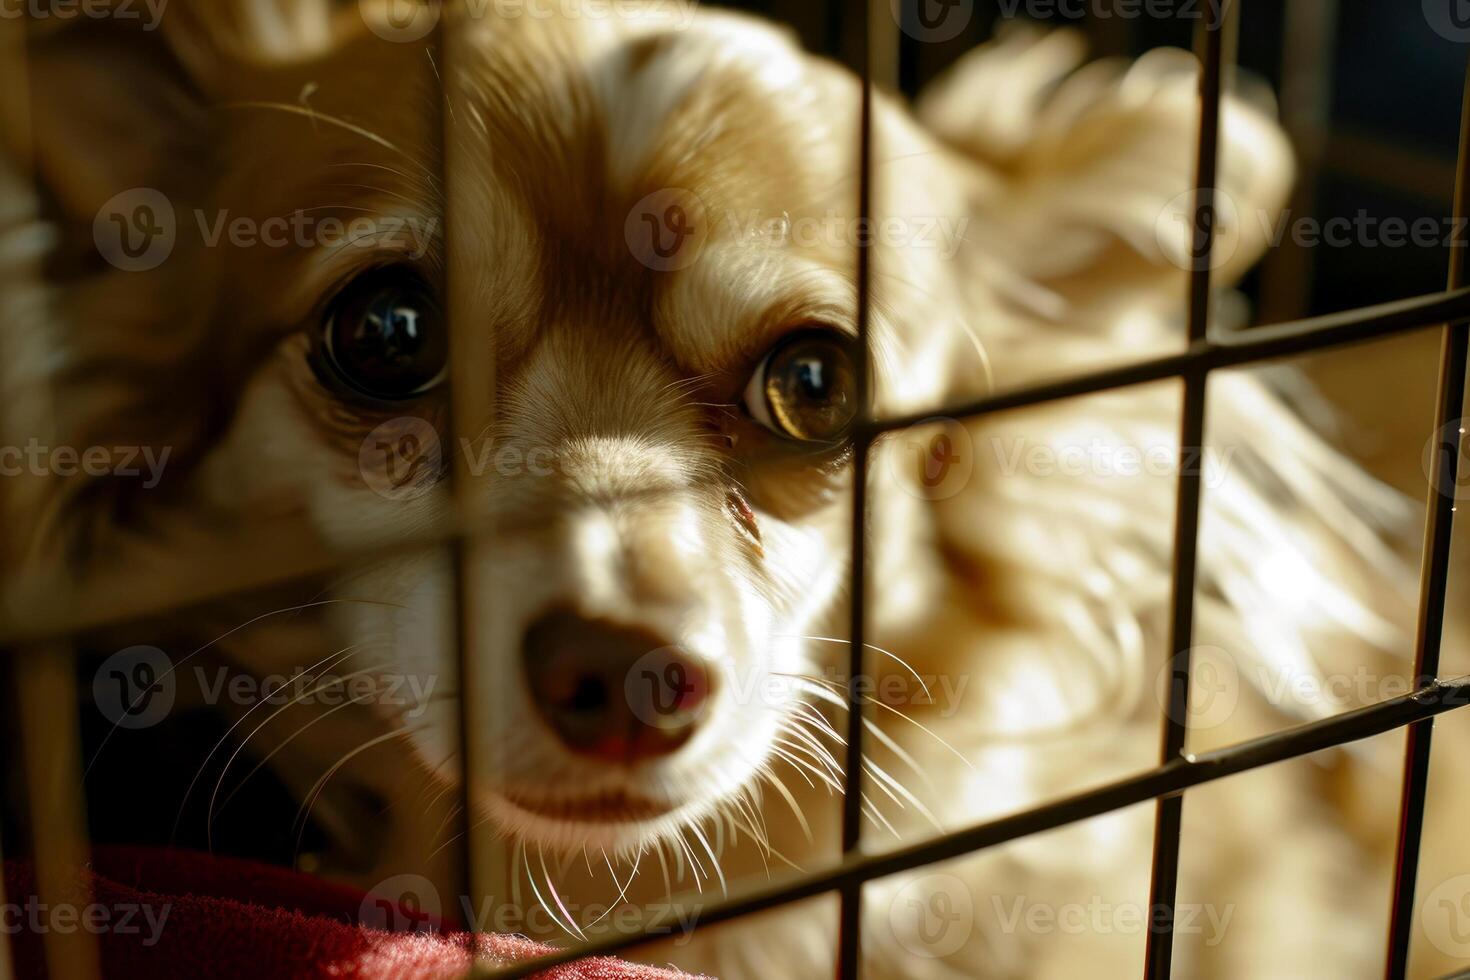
[
  {"x": 1172, "y": 778},
  {"x": 261, "y": 558},
  {"x": 1223, "y": 351}
]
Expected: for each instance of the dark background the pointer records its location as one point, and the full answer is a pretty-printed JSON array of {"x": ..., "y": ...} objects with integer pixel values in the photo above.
[{"x": 1369, "y": 91}]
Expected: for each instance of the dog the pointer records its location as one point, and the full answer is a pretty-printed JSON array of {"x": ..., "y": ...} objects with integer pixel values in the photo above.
[{"x": 644, "y": 220}]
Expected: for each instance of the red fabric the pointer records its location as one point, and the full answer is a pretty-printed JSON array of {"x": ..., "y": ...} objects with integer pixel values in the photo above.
[{"x": 225, "y": 919}]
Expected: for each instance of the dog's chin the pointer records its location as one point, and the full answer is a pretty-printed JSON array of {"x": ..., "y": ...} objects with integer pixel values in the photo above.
[{"x": 619, "y": 821}]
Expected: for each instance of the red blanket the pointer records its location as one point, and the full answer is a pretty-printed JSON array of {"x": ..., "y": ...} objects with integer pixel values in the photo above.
[{"x": 170, "y": 913}]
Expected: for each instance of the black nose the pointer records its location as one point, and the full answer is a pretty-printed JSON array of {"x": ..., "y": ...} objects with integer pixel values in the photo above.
[{"x": 610, "y": 691}]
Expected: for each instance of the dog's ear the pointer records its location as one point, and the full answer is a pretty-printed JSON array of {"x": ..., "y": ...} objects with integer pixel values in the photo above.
[
  {"x": 121, "y": 100},
  {"x": 110, "y": 109},
  {"x": 1087, "y": 173}
]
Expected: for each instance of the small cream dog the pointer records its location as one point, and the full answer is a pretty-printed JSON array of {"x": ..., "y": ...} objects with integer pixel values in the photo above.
[{"x": 646, "y": 215}]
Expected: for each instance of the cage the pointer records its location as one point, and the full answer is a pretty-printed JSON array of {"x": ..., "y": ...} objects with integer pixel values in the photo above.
[{"x": 100, "y": 634}]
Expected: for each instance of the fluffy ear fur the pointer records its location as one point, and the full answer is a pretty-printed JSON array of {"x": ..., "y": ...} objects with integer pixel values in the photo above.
[
  {"x": 116, "y": 114},
  {"x": 1081, "y": 175},
  {"x": 1086, "y": 174}
]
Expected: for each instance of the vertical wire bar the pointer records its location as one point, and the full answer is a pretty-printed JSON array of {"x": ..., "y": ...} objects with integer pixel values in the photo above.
[
  {"x": 849, "y": 934},
  {"x": 45, "y": 685},
  {"x": 470, "y": 404},
  {"x": 7, "y": 965},
  {"x": 1309, "y": 37},
  {"x": 1215, "y": 49},
  {"x": 46, "y": 695},
  {"x": 1434, "y": 574}
]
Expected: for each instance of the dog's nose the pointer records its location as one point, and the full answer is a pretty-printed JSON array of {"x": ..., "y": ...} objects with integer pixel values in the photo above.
[{"x": 610, "y": 691}]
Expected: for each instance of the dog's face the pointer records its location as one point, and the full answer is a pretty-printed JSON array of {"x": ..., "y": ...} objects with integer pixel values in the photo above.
[
  {"x": 648, "y": 226},
  {"x": 645, "y": 227}
]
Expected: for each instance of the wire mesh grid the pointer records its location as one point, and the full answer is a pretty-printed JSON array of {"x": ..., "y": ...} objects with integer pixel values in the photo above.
[{"x": 42, "y": 636}]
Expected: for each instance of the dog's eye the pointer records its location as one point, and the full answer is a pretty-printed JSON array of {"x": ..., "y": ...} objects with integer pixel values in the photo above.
[
  {"x": 383, "y": 336},
  {"x": 806, "y": 387}
]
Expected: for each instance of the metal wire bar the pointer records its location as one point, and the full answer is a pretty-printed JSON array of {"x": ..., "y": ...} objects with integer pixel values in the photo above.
[
  {"x": 1179, "y": 774},
  {"x": 1233, "y": 350},
  {"x": 471, "y": 405},
  {"x": 850, "y": 914},
  {"x": 1434, "y": 576},
  {"x": 1168, "y": 820},
  {"x": 45, "y": 689}
]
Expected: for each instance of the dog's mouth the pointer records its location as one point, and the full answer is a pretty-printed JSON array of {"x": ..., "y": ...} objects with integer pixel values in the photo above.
[{"x": 615, "y": 807}]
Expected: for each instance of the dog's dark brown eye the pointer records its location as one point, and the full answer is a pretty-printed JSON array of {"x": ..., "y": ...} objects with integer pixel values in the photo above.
[
  {"x": 383, "y": 336},
  {"x": 806, "y": 387}
]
